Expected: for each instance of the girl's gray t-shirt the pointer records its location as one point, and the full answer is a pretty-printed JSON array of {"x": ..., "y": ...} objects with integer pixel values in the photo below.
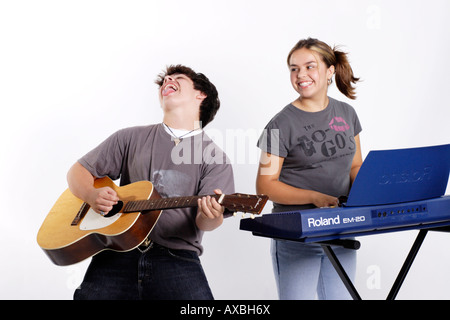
[{"x": 317, "y": 147}]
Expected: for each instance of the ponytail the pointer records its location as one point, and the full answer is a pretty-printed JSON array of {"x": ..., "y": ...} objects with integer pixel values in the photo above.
[
  {"x": 332, "y": 57},
  {"x": 344, "y": 74}
]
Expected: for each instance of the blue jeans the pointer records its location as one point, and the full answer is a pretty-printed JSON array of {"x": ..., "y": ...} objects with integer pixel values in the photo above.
[
  {"x": 159, "y": 273},
  {"x": 303, "y": 270}
]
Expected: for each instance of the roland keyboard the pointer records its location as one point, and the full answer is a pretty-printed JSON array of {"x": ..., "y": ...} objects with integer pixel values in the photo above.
[
  {"x": 394, "y": 190},
  {"x": 322, "y": 224}
]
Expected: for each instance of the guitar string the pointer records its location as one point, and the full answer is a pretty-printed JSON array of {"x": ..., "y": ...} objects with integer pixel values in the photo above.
[{"x": 163, "y": 203}]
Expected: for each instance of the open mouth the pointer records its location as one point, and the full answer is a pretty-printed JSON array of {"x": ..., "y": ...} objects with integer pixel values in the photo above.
[
  {"x": 305, "y": 84},
  {"x": 168, "y": 89}
]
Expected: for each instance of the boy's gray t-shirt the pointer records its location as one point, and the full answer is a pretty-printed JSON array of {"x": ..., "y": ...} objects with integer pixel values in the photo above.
[
  {"x": 317, "y": 147},
  {"x": 196, "y": 166}
]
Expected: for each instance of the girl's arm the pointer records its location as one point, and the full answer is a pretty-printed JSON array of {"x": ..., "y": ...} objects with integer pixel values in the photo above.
[
  {"x": 357, "y": 160},
  {"x": 267, "y": 183}
]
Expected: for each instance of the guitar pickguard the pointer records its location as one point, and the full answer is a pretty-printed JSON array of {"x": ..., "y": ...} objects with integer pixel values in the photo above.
[{"x": 93, "y": 220}]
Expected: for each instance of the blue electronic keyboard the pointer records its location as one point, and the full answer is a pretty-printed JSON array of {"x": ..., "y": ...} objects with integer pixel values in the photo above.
[
  {"x": 315, "y": 225},
  {"x": 394, "y": 190}
]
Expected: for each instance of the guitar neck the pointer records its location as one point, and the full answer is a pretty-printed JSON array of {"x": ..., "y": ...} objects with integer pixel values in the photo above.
[{"x": 163, "y": 203}]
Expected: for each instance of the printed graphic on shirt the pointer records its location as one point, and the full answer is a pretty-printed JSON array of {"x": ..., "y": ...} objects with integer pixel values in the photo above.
[
  {"x": 327, "y": 141},
  {"x": 170, "y": 183},
  {"x": 338, "y": 124}
]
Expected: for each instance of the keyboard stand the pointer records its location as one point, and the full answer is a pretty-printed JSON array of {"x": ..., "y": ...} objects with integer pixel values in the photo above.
[
  {"x": 400, "y": 277},
  {"x": 407, "y": 264},
  {"x": 349, "y": 244}
]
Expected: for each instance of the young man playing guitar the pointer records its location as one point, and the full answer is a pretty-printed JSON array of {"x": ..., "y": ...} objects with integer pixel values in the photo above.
[{"x": 180, "y": 160}]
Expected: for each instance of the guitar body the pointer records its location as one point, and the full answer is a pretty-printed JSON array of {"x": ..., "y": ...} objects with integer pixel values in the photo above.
[
  {"x": 67, "y": 242},
  {"x": 72, "y": 231}
]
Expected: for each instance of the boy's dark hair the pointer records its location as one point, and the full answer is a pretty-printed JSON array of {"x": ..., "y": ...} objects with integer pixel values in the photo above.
[{"x": 210, "y": 105}]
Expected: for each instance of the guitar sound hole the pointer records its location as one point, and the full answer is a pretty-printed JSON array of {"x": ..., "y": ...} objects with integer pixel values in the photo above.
[{"x": 115, "y": 210}]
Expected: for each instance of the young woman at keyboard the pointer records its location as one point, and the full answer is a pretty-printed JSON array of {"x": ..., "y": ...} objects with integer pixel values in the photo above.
[{"x": 310, "y": 156}]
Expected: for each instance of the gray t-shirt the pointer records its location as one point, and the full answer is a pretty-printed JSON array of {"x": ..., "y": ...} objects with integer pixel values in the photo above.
[
  {"x": 196, "y": 166},
  {"x": 317, "y": 147}
]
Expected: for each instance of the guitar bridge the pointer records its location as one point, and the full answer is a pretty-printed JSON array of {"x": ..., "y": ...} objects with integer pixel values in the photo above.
[{"x": 81, "y": 213}]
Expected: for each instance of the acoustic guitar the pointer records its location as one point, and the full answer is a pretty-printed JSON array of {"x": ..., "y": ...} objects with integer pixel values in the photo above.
[{"x": 72, "y": 231}]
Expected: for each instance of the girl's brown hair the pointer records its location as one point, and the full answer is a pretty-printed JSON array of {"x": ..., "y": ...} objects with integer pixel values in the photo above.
[{"x": 332, "y": 57}]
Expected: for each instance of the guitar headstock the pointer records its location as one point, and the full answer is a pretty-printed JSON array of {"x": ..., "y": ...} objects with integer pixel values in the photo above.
[{"x": 245, "y": 202}]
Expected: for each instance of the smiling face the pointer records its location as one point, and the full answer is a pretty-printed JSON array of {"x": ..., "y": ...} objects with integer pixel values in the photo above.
[
  {"x": 309, "y": 74},
  {"x": 177, "y": 91},
  {"x": 179, "y": 88},
  {"x": 174, "y": 94}
]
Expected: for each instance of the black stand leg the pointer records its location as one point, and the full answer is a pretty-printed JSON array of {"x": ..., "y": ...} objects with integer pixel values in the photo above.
[
  {"x": 407, "y": 264},
  {"x": 340, "y": 270},
  {"x": 402, "y": 274}
]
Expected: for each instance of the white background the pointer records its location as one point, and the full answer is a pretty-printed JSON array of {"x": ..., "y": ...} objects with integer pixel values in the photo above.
[{"x": 73, "y": 72}]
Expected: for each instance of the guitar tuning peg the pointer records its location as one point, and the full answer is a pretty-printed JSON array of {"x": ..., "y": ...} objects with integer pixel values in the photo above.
[
  {"x": 243, "y": 215},
  {"x": 252, "y": 216},
  {"x": 234, "y": 214}
]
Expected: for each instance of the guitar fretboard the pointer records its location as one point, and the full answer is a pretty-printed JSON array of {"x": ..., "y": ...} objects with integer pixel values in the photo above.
[{"x": 163, "y": 203}]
